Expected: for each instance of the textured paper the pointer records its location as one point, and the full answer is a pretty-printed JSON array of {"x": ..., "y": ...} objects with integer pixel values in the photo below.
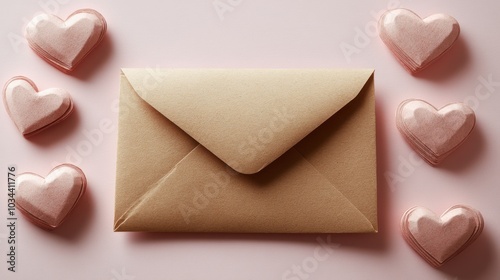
[{"x": 185, "y": 146}]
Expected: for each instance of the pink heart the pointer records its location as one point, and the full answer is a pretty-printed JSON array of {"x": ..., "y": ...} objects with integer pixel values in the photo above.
[
  {"x": 48, "y": 201},
  {"x": 434, "y": 133},
  {"x": 438, "y": 239},
  {"x": 64, "y": 44},
  {"x": 417, "y": 42},
  {"x": 33, "y": 111}
]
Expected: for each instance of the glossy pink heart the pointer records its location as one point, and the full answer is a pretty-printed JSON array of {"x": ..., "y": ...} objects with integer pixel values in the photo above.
[
  {"x": 33, "y": 111},
  {"x": 433, "y": 133},
  {"x": 438, "y": 239},
  {"x": 48, "y": 201},
  {"x": 65, "y": 44},
  {"x": 417, "y": 42}
]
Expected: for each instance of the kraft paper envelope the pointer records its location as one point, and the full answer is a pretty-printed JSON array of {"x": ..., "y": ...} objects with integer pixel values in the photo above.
[{"x": 246, "y": 150}]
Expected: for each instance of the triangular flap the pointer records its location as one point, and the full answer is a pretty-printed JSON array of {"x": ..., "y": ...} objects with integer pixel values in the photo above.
[{"x": 248, "y": 117}]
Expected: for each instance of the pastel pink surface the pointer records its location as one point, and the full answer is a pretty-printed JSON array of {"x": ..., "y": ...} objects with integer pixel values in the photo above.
[
  {"x": 442, "y": 237},
  {"x": 31, "y": 110},
  {"x": 65, "y": 43},
  {"x": 441, "y": 130},
  {"x": 257, "y": 34},
  {"x": 419, "y": 41},
  {"x": 48, "y": 201}
]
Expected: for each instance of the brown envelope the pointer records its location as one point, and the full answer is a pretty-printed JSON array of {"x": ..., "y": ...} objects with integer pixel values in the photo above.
[{"x": 246, "y": 150}]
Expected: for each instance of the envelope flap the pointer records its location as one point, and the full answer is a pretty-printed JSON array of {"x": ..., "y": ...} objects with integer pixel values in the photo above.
[{"x": 247, "y": 117}]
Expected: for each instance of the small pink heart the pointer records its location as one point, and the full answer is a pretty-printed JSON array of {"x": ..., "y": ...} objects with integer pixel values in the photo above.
[
  {"x": 439, "y": 239},
  {"x": 65, "y": 44},
  {"x": 47, "y": 201},
  {"x": 433, "y": 133},
  {"x": 417, "y": 42},
  {"x": 33, "y": 111}
]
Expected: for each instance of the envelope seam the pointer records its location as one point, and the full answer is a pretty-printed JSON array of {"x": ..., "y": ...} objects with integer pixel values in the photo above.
[
  {"x": 151, "y": 188},
  {"x": 333, "y": 185}
]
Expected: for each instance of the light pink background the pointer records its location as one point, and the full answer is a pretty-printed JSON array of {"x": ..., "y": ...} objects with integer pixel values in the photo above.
[{"x": 256, "y": 33}]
